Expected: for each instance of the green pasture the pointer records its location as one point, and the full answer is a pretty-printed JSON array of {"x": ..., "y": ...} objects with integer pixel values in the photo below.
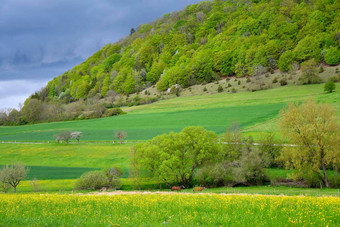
[
  {"x": 255, "y": 112},
  {"x": 66, "y": 155}
]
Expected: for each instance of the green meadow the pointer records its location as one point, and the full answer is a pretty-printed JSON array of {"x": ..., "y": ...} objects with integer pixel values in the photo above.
[
  {"x": 254, "y": 111},
  {"x": 57, "y": 165}
]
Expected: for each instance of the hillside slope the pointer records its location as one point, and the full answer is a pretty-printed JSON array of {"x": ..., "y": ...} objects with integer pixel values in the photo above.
[
  {"x": 255, "y": 112},
  {"x": 203, "y": 42}
]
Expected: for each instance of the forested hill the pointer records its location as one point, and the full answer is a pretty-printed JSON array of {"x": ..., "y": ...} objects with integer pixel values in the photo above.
[{"x": 205, "y": 41}]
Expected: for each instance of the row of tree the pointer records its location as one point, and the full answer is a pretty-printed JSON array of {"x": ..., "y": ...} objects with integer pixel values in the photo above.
[
  {"x": 35, "y": 111},
  {"x": 67, "y": 135},
  {"x": 195, "y": 155}
]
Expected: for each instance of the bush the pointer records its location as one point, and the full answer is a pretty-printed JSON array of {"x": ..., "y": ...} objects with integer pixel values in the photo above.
[
  {"x": 4, "y": 187},
  {"x": 204, "y": 89},
  {"x": 215, "y": 175},
  {"x": 251, "y": 169},
  {"x": 283, "y": 82},
  {"x": 321, "y": 70},
  {"x": 112, "y": 177},
  {"x": 274, "y": 80},
  {"x": 309, "y": 73},
  {"x": 113, "y": 112},
  {"x": 220, "y": 88},
  {"x": 248, "y": 79},
  {"x": 329, "y": 87},
  {"x": 239, "y": 82},
  {"x": 91, "y": 181}
]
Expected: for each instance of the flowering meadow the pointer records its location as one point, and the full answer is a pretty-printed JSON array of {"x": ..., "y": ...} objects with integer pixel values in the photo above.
[{"x": 171, "y": 209}]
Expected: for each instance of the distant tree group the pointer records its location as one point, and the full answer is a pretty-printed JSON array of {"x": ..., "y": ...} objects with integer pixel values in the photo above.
[{"x": 67, "y": 135}]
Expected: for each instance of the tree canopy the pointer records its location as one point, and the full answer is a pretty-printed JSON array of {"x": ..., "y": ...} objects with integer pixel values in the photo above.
[{"x": 202, "y": 41}]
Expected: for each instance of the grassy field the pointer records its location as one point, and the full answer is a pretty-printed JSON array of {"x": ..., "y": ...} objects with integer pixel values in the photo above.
[
  {"x": 255, "y": 112},
  {"x": 168, "y": 209},
  {"x": 62, "y": 155}
]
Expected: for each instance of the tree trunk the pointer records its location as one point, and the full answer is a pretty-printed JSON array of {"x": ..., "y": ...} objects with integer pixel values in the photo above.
[
  {"x": 15, "y": 189},
  {"x": 325, "y": 174}
]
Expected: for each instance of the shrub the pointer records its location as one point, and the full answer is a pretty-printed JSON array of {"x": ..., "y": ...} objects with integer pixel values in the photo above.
[
  {"x": 334, "y": 78},
  {"x": 283, "y": 82},
  {"x": 91, "y": 180},
  {"x": 274, "y": 80},
  {"x": 204, "y": 89},
  {"x": 233, "y": 90},
  {"x": 248, "y": 79},
  {"x": 215, "y": 175},
  {"x": 113, "y": 176},
  {"x": 329, "y": 87},
  {"x": 251, "y": 169},
  {"x": 321, "y": 70},
  {"x": 229, "y": 85},
  {"x": 113, "y": 112},
  {"x": 4, "y": 187},
  {"x": 239, "y": 82},
  {"x": 309, "y": 73},
  {"x": 220, "y": 88}
]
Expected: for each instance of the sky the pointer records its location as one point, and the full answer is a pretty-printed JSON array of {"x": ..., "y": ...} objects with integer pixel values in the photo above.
[{"x": 41, "y": 39}]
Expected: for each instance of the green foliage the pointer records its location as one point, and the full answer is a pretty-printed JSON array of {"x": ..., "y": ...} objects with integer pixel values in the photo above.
[
  {"x": 92, "y": 180},
  {"x": 220, "y": 88},
  {"x": 173, "y": 158},
  {"x": 286, "y": 61},
  {"x": 332, "y": 56},
  {"x": 329, "y": 86},
  {"x": 283, "y": 82},
  {"x": 309, "y": 73},
  {"x": 109, "y": 61},
  {"x": 12, "y": 175},
  {"x": 112, "y": 176},
  {"x": 204, "y": 40}
]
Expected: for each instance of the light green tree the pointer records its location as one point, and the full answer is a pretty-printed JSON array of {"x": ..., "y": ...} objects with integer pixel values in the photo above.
[
  {"x": 173, "y": 158},
  {"x": 13, "y": 174},
  {"x": 313, "y": 128}
]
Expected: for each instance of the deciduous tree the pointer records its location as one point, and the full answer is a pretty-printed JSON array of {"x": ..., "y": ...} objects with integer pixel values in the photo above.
[
  {"x": 313, "y": 128},
  {"x": 13, "y": 174}
]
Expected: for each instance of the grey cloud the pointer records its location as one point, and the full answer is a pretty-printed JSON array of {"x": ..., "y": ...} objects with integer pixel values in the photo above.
[{"x": 41, "y": 39}]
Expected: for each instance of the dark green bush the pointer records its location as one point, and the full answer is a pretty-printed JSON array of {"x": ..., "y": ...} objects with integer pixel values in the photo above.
[
  {"x": 91, "y": 181},
  {"x": 220, "y": 88},
  {"x": 283, "y": 82}
]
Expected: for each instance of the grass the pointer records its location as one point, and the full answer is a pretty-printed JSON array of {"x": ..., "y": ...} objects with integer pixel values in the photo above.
[
  {"x": 254, "y": 111},
  {"x": 168, "y": 209},
  {"x": 62, "y": 155}
]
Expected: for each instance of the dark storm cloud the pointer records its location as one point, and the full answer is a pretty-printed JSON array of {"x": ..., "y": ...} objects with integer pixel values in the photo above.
[{"x": 40, "y": 39}]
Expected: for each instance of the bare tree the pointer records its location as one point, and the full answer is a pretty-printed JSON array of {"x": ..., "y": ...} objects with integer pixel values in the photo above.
[
  {"x": 63, "y": 136},
  {"x": 113, "y": 175},
  {"x": 13, "y": 174},
  {"x": 120, "y": 135},
  {"x": 76, "y": 135}
]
